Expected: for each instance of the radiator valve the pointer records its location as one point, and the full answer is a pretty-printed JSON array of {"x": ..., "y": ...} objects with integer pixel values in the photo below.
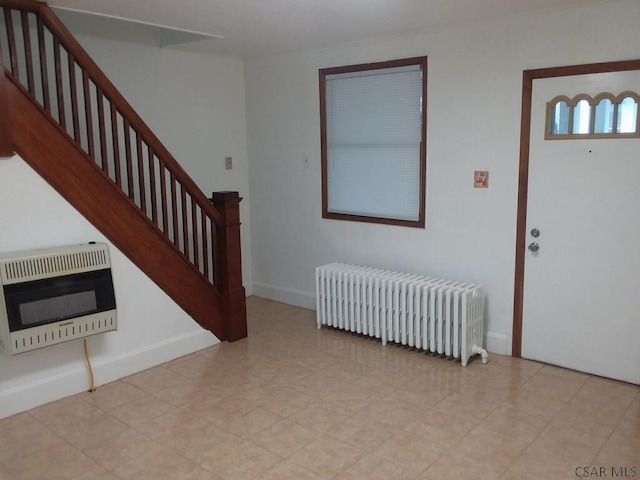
[{"x": 482, "y": 352}]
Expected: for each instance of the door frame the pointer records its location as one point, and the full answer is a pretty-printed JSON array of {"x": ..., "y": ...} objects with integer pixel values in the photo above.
[{"x": 528, "y": 76}]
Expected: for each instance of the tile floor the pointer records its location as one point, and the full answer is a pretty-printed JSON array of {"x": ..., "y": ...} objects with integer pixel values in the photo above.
[{"x": 292, "y": 402}]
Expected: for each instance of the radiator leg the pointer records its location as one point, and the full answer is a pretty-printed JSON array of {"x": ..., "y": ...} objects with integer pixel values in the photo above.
[{"x": 479, "y": 350}]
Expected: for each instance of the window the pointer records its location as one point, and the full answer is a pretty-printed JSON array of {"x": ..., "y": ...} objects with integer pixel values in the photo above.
[
  {"x": 604, "y": 116},
  {"x": 373, "y": 132}
]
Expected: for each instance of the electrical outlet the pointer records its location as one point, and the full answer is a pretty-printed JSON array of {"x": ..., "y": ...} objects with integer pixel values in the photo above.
[{"x": 228, "y": 163}]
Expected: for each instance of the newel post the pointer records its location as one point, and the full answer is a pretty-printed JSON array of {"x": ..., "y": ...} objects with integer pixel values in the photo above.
[
  {"x": 228, "y": 264},
  {"x": 6, "y": 144}
]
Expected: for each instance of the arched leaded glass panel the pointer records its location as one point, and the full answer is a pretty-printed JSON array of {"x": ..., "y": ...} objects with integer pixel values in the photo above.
[
  {"x": 603, "y": 122},
  {"x": 560, "y": 118},
  {"x": 627, "y": 116},
  {"x": 581, "y": 118}
]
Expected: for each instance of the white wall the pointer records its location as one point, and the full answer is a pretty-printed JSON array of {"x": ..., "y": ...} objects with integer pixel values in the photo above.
[
  {"x": 194, "y": 103},
  {"x": 152, "y": 329},
  {"x": 475, "y": 81}
]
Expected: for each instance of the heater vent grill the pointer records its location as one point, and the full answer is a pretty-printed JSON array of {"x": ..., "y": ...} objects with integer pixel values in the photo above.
[
  {"x": 54, "y": 263},
  {"x": 64, "y": 331}
]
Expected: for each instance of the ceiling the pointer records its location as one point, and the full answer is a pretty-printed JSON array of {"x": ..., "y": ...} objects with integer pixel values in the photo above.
[{"x": 258, "y": 27}]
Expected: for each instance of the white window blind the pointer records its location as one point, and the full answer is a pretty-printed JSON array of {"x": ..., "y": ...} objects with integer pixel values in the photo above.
[{"x": 374, "y": 134}]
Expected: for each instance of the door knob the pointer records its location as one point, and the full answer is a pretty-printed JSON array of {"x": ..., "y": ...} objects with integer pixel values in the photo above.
[{"x": 534, "y": 247}]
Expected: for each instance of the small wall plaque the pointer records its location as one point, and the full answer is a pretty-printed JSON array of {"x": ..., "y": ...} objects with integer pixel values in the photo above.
[{"x": 481, "y": 179}]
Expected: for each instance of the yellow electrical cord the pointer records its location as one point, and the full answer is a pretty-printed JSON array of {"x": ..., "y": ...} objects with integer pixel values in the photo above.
[{"x": 86, "y": 356}]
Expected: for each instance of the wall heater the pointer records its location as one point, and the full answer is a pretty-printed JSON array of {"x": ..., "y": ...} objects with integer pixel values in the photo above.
[{"x": 51, "y": 296}]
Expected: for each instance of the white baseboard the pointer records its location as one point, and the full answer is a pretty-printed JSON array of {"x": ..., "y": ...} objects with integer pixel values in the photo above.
[
  {"x": 120, "y": 366},
  {"x": 106, "y": 369},
  {"x": 498, "y": 343},
  {"x": 285, "y": 295}
]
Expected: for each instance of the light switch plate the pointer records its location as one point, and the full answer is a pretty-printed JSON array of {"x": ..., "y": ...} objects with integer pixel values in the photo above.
[{"x": 228, "y": 163}]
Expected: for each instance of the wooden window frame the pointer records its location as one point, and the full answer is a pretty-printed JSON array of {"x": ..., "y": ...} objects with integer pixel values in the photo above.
[{"x": 323, "y": 73}]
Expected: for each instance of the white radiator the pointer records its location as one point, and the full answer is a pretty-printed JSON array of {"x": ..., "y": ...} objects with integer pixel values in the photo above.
[{"x": 430, "y": 314}]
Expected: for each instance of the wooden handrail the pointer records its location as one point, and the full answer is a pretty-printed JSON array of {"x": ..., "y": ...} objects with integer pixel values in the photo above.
[
  {"x": 87, "y": 64},
  {"x": 26, "y": 5}
]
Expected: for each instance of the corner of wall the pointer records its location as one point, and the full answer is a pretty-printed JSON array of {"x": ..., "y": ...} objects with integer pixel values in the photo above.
[
  {"x": 289, "y": 296},
  {"x": 498, "y": 343}
]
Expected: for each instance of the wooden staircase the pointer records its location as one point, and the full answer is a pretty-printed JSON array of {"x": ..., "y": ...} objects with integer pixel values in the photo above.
[{"x": 64, "y": 117}]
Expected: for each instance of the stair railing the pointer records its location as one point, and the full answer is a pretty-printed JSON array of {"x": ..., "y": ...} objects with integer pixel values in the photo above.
[{"x": 43, "y": 59}]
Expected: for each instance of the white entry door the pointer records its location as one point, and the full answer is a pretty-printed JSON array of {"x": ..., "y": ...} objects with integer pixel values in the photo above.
[{"x": 582, "y": 287}]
